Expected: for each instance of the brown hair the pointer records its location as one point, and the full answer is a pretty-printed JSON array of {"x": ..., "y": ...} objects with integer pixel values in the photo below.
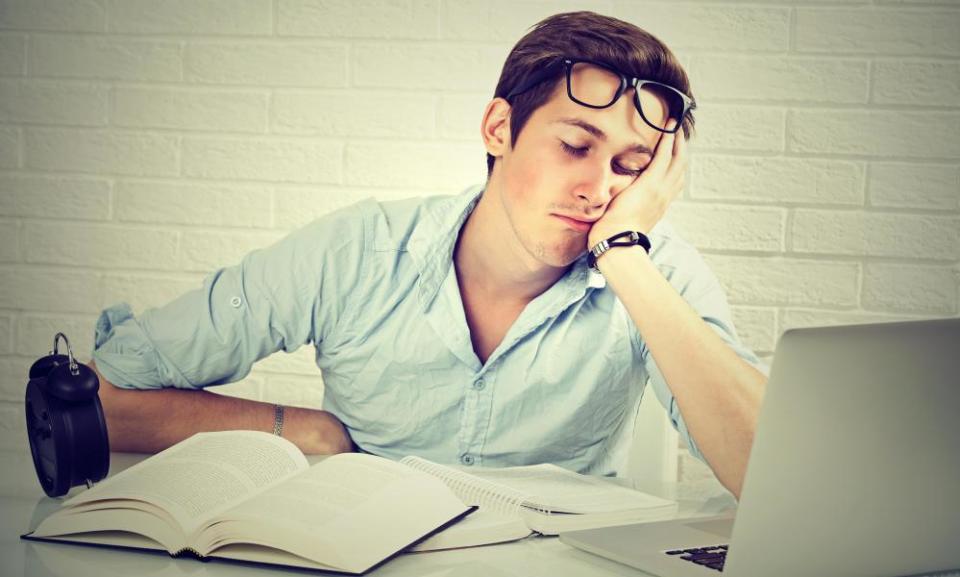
[{"x": 591, "y": 36}]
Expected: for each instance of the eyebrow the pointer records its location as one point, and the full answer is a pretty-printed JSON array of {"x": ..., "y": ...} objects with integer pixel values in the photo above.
[{"x": 601, "y": 135}]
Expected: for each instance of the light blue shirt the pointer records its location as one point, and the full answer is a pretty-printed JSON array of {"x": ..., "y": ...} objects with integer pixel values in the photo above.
[{"x": 373, "y": 288}]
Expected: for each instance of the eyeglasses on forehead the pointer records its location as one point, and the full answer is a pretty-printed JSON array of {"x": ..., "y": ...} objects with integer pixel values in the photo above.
[{"x": 678, "y": 104}]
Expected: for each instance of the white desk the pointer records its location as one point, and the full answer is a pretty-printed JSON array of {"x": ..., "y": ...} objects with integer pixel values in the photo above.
[{"x": 23, "y": 504}]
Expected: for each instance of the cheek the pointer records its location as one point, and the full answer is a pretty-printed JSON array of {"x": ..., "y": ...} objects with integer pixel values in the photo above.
[{"x": 527, "y": 179}]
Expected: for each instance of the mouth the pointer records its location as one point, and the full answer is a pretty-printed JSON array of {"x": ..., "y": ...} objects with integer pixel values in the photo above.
[{"x": 577, "y": 225}]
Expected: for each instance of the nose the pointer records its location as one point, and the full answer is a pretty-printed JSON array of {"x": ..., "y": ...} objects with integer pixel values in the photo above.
[{"x": 595, "y": 185}]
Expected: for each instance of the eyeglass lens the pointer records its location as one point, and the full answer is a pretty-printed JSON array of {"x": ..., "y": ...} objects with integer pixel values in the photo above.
[{"x": 597, "y": 86}]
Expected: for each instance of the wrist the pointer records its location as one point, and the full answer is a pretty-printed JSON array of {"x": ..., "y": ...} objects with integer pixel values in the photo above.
[{"x": 618, "y": 241}]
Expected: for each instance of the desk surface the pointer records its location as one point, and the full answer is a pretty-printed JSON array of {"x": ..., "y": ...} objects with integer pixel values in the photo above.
[{"x": 23, "y": 505}]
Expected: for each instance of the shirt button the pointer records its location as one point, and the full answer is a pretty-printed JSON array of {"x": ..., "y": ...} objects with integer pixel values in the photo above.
[
  {"x": 235, "y": 302},
  {"x": 479, "y": 384},
  {"x": 467, "y": 460}
]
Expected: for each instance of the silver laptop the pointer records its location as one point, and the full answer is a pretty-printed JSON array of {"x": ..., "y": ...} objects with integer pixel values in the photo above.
[{"x": 855, "y": 468}]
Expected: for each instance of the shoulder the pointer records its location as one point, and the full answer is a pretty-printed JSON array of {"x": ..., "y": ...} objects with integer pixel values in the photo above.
[{"x": 390, "y": 224}]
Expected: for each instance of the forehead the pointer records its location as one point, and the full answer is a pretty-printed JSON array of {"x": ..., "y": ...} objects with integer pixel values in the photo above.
[{"x": 620, "y": 122}]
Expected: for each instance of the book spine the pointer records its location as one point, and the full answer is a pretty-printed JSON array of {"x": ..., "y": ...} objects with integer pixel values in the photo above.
[{"x": 189, "y": 552}]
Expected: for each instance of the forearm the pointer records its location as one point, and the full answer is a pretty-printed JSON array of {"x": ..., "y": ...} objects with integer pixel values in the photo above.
[
  {"x": 152, "y": 420},
  {"x": 718, "y": 393}
]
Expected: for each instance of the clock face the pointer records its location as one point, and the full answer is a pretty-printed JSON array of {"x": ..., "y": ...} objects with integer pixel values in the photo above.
[
  {"x": 68, "y": 439},
  {"x": 43, "y": 449}
]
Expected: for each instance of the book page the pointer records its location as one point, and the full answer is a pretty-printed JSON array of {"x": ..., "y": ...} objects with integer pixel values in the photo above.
[
  {"x": 349, "y": 511},
  {"x": 480, "y": 528},
  {"x": 202, "y": 475},
  {"x": 489, "y": 495},
  {"x": 553, "y": 489}
]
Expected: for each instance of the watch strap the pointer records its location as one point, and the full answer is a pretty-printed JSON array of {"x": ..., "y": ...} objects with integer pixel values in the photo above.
[{"x": 625, "y": 238}]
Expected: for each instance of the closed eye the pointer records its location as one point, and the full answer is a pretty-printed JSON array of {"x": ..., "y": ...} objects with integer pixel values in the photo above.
[{"x": 581, "y": 151}]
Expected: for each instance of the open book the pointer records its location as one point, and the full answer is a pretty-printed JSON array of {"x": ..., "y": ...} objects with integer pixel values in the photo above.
[
  {"x": 515, "y": 502},
  {"x": 250, "y": 496}
]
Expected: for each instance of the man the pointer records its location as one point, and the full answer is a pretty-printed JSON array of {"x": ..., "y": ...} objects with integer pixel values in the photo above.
[{"x": 472, "y": 328}]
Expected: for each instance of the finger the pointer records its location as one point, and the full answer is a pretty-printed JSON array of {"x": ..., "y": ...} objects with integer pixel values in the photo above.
[
  {"x": 663, "y": 154},
  {"x": 678, "y": 163}
]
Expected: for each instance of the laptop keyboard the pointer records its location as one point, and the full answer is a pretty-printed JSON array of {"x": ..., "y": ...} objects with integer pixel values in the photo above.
[{"x": 711, "y": 557}]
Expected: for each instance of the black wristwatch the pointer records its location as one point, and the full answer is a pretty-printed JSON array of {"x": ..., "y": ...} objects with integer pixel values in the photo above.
[{"x": 626, "y": 238}]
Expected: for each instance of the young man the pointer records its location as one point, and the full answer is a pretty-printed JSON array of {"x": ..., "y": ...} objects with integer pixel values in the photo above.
[{"x": 473, "y": 328}]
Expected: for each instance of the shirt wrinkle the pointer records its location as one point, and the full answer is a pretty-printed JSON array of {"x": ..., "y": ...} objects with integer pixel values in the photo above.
[{"x": 381, "y": 303}]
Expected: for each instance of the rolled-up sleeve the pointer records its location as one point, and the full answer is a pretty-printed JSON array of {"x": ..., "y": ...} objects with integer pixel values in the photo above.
[
  {"x": 687, "y": 272},
  {"x": 277, "y": 298}
]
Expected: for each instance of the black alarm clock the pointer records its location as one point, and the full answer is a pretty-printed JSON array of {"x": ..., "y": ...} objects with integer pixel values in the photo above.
[{"x": 65, "y": 423}]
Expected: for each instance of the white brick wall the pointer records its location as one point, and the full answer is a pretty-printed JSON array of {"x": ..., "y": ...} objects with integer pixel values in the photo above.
[{"x": 144, "y": 143}]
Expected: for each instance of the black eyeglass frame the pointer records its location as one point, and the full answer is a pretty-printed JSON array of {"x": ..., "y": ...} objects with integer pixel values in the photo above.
[{"x": 625, "y": 82}]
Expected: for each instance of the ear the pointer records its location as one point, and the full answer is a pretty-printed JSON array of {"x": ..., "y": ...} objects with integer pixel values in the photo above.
[{"x": 495, "y": 128}]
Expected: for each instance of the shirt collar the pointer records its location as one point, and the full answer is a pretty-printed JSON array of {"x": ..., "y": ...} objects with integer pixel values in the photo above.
[{"x": 435, "y": 235}]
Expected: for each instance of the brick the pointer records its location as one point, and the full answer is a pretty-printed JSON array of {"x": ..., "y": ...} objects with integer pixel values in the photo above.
[
  {"x": 9, "y": 147},
  {"x": 191, "y": 17},
  {"x": 878, "y": 31},
  {"x": 705, "y": 27},
  {"x": 354, "y": 113},
  {"x": 780, "y": 281},
  {"x": 347, "y": 19},
  {"x": 267, "y": 159},
  {"x": 502, "y": 20},
  {"x": 101, "y": 151},
  {"x": 923, "y": 186},
  {"x": 6, "y": 333},
  {"x": 739, "y": 128},
  {"x": 425, "y": 66},
  {"x": 719, "y": 227},
  {"x": 896, "y": 133},
  {"x": 100, "y": 246},
  {"x": 212, "y": 204},
  {"x": 46, "y": 102},
  {"x": 15, "y": 372},
  {"x": 9, "y": 241},
  {"x": 767, "y": 78},
  {"x": 104, "y": 57},
  {"x": 13, "y": 433},
  {"x": 801, "y": 318},
  {"x": 267, "y": 63},
  {"x": 935, "y": 83},
  {"x": 48, "y": 290},
  {"x": 144, "y": 291},
  {"x": 300, "y": 362},
  {"x": 67, "y": 15},
  {"x": 295, "y": 390},
  {"x": 54, "y": 197},
  {"x": 862, "y": 233},
  {"x": 189, "y": 109},
  {"x": 296, "y": 206},
  {"x": 910, "y": 288},
  {"x": 460, "y": 115},
  {"x": 756, "y": 327},
  {"x": 207, "y": 251},
  {"x": 250, "y": 388},
  {"x": 779, "y": 180},
  {"x": 35, "y": 334},
  {"x": 13, "y": 54},
  {"x": 430, "y": 167}
]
